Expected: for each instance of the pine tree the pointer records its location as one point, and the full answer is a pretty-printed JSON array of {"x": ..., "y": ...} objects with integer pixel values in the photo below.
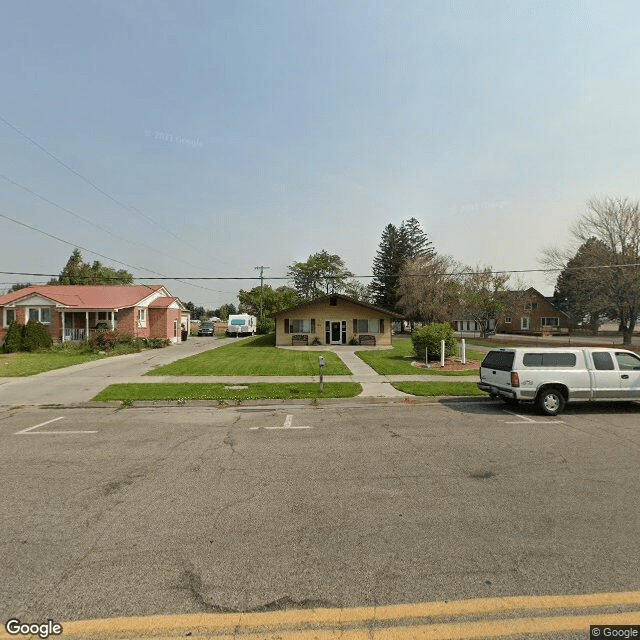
[
  {"x": 415, "y": 240},
  {"x": 397, "y": 245},
  {"x": 386, "y": 267}
]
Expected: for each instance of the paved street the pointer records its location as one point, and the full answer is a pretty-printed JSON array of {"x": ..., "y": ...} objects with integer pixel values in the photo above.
[{"x": 185, "y": 510}]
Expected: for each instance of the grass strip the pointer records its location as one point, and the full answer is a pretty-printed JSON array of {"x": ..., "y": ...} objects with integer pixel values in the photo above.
[
  {"x": 439, "y": 388},
  {"x": 28, "y": 364},
  {"x": 397, "y": 361},
  {"x": 184, "y": 391},
  {"x": 253, "y": 357}
]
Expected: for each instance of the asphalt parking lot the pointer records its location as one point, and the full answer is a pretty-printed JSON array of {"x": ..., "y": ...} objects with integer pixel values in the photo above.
[{"x": 186, "y": 509}]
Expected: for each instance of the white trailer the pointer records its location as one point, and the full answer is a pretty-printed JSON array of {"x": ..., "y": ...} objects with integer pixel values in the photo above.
[{"x": 241, "y": 324}]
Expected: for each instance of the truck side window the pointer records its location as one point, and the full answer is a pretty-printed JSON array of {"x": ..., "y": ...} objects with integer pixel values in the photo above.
[
  {"x": 602, "y": 360},
  {"x": 627, "y": 361},
  {"x": 560, "y": 359}
]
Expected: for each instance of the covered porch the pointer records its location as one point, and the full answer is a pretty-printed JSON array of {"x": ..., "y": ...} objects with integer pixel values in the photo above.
[{"x": 79, "y": 325}]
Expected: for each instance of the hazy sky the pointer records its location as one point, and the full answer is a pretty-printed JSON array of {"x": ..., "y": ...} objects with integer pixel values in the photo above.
[{"x": 227, "y": 135}]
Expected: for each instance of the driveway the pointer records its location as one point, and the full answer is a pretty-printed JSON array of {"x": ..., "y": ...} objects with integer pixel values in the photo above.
[{"x": 83, "y": 381}]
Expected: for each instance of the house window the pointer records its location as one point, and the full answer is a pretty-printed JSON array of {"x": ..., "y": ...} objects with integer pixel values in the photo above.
[
  {"x": 333, "y": 302},
  {"x": 550, "y": 322},
  {"x": 39, "y": 314},
  {"x": 142, "y": 317},
  {"x": 507, "y": 320},
  {"x": 102, "y": 315},
  {"x": 299, "y": 326},
  {"x": 369, "y": 326},
  {"x": 530, "y": 306},
  {"x": 9, "y": 316}
]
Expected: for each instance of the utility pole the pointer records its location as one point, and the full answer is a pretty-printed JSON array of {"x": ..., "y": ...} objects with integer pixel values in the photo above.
[{"x": 261, "y": 284}]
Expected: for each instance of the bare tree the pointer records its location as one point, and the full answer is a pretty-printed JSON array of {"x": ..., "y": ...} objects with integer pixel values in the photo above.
[
  {"x": 427, "y": 289},
  {"x": 614, "y": 222},
  {"x": 483, "y": 295}
]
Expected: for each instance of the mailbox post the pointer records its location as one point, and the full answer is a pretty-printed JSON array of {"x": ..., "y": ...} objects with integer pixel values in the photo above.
[{"x": 322, "y": 363}]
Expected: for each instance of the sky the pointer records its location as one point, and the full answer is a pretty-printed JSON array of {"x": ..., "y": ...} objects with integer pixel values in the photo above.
[{"x": 204, "y": 139}]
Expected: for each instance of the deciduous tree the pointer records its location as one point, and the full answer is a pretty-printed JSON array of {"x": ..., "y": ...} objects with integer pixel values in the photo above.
[
  {"x": 76, "y": 271},
  {"x": 322, "y": 273}
]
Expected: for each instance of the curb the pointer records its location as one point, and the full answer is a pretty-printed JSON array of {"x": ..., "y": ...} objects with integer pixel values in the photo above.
[{"x": 231, "y": 404}]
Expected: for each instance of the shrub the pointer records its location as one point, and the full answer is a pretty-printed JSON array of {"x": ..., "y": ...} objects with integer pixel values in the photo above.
[
  {"x": 155, "y": 343},
  {"x": 430, "y": 336},
  {"x": 103, "y": 340},
  {"x": 35, "y": 337},
  {"x": 265, "y": 325},
  {"x": 13, "y": 341}
]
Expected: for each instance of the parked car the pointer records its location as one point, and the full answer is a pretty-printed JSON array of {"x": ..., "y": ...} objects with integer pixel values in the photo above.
[
  {"x": 207, "y": 329},
  {"x": 552, "y": 377}
]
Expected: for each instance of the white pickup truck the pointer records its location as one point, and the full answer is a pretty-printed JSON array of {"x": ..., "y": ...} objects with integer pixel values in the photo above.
[{"x": 551, "y": 377}]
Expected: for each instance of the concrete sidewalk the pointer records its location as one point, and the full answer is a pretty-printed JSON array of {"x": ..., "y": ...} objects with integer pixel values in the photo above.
[{"x": 80, "y": 383}]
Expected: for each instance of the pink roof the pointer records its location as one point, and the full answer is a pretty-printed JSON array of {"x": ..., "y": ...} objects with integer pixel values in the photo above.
[
  {"x": 162, "y": 302},
  {"x": 74, "y": 296}
]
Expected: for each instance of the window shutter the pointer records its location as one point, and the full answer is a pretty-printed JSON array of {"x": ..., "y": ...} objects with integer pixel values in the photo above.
[
  {"x": 313, "y": 325},
  {"x": 355, "y": 325},
  {"x": 286, "y": 325},
  {"x": 381, "y": 325}
]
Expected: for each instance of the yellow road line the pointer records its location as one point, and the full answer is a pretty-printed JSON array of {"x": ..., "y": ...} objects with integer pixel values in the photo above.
[
  {"x": 447, "y": 631},
  {"x": 485, "y": 607}
]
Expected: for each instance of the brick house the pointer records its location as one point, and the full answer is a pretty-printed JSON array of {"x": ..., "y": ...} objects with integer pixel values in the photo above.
[
  {"x": 72, "y": 312},
  {"x": 334, "y": 319},
  {"x": 529, "y": 311},
  {"x": 526, "y": 312}
]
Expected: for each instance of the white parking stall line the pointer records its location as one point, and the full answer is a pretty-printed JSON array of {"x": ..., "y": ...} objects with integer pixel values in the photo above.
[
  {"x": 526, "y": 420},
  {"x": 31, "y": 431},
  {"x": 286, "y": 426}
]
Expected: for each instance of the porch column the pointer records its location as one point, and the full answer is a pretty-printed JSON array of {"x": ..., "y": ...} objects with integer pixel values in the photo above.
[
  {"x": 111, "y": 320},
  {"x": 86, "y": 316},
  {"x": 63, "y": 325}
]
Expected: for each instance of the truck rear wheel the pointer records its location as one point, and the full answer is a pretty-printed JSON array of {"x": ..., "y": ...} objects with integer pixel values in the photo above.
[{"x": 551, "y": 401}]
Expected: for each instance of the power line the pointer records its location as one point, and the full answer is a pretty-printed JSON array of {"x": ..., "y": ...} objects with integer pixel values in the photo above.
[
  {"x": 75, "y": 245},
  {"x": 90, "y": 222},
  {"x": 94, "y": 186},
  {"x": 417, "y": 275}
]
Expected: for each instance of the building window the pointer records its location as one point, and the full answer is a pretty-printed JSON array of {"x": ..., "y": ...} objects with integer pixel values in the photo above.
[
  {"x": 369, "y": 326},
  {"x": 142, "y": 317},
  {"x": 299, "y": 326},
  {"x": 507, "y": 320},
  {"x": 9, "y": 316},
  {"x": 333, "y": 301},
  {"x": 102, "y": 315},
  {"x": 550, "y": 322},
  {"x": 39, "y": 314}
]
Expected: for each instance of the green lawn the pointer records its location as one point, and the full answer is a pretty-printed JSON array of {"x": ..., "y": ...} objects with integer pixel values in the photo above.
[
  {"x": 397, "y": 361},
  {"x": 184, "y": 391},
  {"x": 28, "y": 364},
  {"x": 253, "y": 357},
  {"x": 440, "y": 388}
]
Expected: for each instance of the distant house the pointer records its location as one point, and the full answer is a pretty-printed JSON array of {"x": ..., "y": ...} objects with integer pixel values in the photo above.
[
  {"x": 526, "y": 312},
  {"x": 72, "y": 312},
  {"x": 529, "y": 311},
  {"x": 334, "y": 319}
]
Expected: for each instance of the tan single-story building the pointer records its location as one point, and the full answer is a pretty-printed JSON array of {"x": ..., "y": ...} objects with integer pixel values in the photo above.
[{"x": 334, "y": 319}]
